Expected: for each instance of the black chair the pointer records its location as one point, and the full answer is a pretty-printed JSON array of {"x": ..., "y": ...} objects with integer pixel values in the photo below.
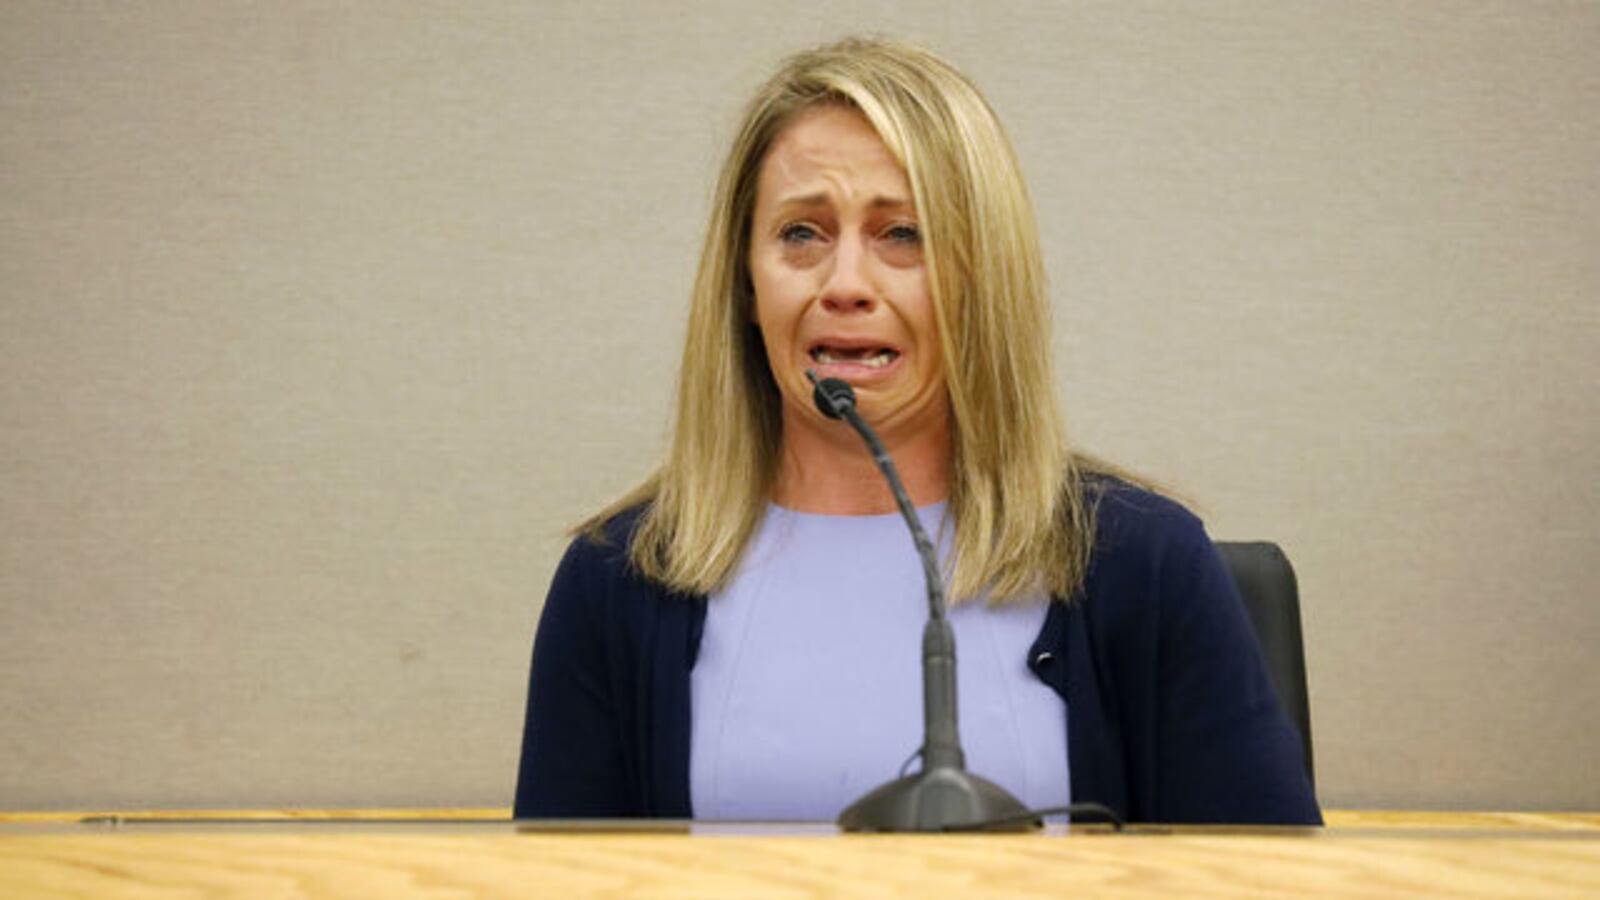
[{"x": 1271, "y": 595}]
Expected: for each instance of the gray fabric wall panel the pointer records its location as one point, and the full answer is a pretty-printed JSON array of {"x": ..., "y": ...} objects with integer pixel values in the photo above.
[{"x": 317, "y": 325}]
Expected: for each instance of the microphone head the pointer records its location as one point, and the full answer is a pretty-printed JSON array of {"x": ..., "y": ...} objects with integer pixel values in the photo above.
[{"x": 831, "y": 395}]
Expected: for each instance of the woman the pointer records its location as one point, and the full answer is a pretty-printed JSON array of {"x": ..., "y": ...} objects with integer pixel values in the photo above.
[{"x": 737, "y": 637}]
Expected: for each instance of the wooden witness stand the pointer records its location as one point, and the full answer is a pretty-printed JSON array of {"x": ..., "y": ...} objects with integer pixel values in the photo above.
[{"x": 477, "y": 852}]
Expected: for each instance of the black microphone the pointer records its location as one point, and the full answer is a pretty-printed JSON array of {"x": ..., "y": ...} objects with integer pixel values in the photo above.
[{"x": 943, "y": 796}]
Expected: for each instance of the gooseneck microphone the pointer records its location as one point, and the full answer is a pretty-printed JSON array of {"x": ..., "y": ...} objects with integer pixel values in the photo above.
[{"x": 943, "y": 796}]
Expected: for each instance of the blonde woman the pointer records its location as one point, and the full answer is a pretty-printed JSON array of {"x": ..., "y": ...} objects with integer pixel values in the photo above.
[{"x": 737, "y": 638}]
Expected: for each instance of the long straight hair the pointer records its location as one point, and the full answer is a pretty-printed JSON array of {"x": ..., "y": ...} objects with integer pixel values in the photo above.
[{"x": 1021, "y": 506}]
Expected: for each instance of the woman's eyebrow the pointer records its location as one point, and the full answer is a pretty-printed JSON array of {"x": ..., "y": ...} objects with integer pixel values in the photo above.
[{"x": 821, "y": 198}]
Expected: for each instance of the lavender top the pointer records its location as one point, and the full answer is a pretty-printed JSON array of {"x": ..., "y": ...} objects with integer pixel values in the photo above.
[{"x": 807, "y": 691}]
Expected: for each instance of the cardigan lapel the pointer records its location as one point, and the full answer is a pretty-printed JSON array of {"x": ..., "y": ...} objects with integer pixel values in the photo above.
[{"x": 679, "y": 620}]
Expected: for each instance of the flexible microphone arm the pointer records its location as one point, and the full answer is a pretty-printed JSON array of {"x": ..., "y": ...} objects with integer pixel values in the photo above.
[
  {"x": 837, "y": 400},
  {"x": 943, "y": 796}
]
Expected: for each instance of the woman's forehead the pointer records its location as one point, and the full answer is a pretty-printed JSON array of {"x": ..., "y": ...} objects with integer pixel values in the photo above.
[{"x": 828, "y": 151}]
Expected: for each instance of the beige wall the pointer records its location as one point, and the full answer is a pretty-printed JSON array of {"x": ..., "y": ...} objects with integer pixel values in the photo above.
[{"x": 317, "y": 321}]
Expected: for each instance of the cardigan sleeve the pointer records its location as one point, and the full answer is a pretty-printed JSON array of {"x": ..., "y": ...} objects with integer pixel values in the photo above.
[
  {"x": 1226, "y": 752},
  {"x": 573, "y": 758}
]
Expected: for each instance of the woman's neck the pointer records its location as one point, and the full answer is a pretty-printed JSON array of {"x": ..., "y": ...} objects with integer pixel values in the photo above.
[{"x": 828, "y": 469}]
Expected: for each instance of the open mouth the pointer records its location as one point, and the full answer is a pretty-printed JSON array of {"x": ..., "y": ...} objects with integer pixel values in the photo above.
[{"x": 871, "y": 357}]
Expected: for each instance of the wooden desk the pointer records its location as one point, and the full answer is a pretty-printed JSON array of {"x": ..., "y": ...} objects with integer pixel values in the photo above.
[{"x": 374, "y": 853}]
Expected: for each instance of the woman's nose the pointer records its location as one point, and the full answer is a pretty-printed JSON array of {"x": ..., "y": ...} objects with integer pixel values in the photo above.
[{"x": 849, "y": 286}]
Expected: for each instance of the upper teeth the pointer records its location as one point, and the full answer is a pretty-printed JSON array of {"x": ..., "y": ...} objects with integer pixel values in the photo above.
[{"x": 876, "y": 361}]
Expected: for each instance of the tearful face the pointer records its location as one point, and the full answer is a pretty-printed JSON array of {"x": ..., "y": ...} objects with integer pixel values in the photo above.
[{"x": 836, "y": 258}]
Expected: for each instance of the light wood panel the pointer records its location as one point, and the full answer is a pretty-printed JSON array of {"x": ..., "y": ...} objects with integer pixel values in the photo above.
[
  {"x": 1336, "y": 818},
  {"x": 1397, "y": 818},
  {"x": 368, "y": 862},
  {"x": 266, "y": 815}
]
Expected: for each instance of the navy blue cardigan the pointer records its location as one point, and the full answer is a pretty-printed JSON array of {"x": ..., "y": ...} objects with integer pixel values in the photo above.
[{"x": 1170, "y": 714}]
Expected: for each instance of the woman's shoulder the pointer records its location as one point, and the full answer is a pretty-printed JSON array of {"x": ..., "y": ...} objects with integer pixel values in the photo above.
[
  {"x": 602, "y": 550},
  {"x": 612, "y": 527},
  {"x": 1126, "y": 513},
  {"x": 1142, "y": 539},
  {"x": 601, "y": 545},
  {"x": 598, "y": 583},
  {"x": 1153, "y": 567}
]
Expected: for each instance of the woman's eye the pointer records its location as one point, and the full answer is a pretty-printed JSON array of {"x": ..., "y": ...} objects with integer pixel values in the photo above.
[
  {"x": 796, "y": 233},
  {"x": 904, "y": 234}
]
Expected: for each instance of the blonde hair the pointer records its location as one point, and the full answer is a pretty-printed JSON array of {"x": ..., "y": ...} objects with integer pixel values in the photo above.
[{"x": 1022, "y": 510}]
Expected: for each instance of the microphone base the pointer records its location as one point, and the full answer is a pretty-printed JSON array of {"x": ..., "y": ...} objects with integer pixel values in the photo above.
[{"x": 938, "y": 799}]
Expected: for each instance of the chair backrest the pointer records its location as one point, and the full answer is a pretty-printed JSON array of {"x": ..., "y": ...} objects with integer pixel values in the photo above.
[{"x": 1271, "y": 595}]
